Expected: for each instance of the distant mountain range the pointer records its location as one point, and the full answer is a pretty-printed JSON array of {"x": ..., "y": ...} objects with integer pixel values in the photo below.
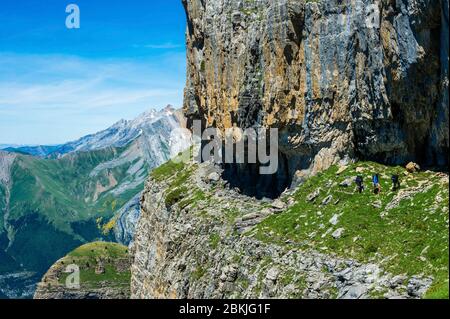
[
  {"x": 4, "y": 146},
  {"x": 40, "y": 150},
  {"x": 54, "y": 198},
  {"x": 118, "y": 135}
]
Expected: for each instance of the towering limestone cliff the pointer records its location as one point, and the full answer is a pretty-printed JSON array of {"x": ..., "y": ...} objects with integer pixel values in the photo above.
[
  {"x": 363, "y": 79},
  {"x": 342, "y": 80}
]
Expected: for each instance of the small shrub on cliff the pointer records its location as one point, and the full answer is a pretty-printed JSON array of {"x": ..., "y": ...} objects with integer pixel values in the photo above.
[
  {"x": 202, "y": 67},
  {"x": 198, "y": 273},
  {"x": 166, "y": 170},
  {"x": 175, "y": 196},
  {"x": 214, "y": 240}
]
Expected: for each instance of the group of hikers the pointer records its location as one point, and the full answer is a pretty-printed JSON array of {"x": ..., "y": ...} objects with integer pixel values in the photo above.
[{"x": 376, "y": 183}]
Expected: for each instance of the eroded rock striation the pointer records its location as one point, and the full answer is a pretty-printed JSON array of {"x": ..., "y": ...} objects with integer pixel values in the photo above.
[
  {"x": 126, "y": 221},
  {"x": 361, "y": 79}
]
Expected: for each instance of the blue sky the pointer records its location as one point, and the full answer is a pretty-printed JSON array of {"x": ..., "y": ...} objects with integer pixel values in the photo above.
[{"x": 58, "y": 84}]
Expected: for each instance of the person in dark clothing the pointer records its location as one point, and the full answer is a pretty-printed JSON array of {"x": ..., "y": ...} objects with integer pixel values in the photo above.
[
  {"x": 359, "y": 183},
  {"x": 376, "y": 184},
  {"x": 395, "y": 182}
]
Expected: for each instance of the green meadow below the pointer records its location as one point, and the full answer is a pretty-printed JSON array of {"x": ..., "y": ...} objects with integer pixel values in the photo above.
[
  {"x": 52, "y": 206},
  {"x": 104, "y": 273}
]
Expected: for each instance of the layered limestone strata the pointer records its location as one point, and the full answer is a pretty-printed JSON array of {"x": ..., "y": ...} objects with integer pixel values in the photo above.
[{"x": 362, "y": 79}]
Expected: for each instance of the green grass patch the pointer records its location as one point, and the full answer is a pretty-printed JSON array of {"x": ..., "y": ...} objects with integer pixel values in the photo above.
[
  {"x": 87, "y": 257},
  {"x": 198, "y": 273},
  {"x": 175, "y": 196},
  {"x": 166, "y": 170},
  {"x": 410, "y": 238},
  {"x": 214, "y": 240}
]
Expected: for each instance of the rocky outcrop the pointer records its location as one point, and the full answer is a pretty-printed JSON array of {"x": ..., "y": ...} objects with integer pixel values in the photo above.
[
  {"x": 365, "y": 79},
  {"x": 196, "y": 238},
  {"x": 99, "y": 271}
]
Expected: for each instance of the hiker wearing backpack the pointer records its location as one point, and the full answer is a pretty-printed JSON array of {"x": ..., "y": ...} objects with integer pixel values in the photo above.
[
  {"x": 376, "y": 184},
  {"x": 359, "y": 183},
  {"x": 395, "y": 182}
]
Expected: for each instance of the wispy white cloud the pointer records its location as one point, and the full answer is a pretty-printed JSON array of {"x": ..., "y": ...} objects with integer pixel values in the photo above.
[
  {"x": 161, "y": 46},
  {"x": 77, "y": 96}
]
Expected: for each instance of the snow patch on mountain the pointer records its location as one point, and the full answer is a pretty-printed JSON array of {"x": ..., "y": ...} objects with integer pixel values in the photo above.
[
  {"x": 6, "y": 161},
  {"x": 124, "y": 132}
]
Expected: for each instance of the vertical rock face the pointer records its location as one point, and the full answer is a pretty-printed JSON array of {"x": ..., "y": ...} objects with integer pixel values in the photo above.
[{"x": 359, "y": 78}]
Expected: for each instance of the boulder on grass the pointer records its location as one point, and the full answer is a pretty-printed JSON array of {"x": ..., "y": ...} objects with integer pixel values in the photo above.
[{"x": 412, "y": 167}]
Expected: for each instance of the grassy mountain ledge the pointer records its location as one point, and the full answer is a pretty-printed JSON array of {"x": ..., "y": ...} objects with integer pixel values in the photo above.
[
  {"x": 197, "y": 238},
  {"x": 104, "y": 274},
  {"x": 405, "y": 232}
]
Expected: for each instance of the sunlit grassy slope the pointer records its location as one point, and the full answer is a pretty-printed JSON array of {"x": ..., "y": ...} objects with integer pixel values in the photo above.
[
  {"x": 404, "y": 231},
  {"x": 87, "y": 257}
]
